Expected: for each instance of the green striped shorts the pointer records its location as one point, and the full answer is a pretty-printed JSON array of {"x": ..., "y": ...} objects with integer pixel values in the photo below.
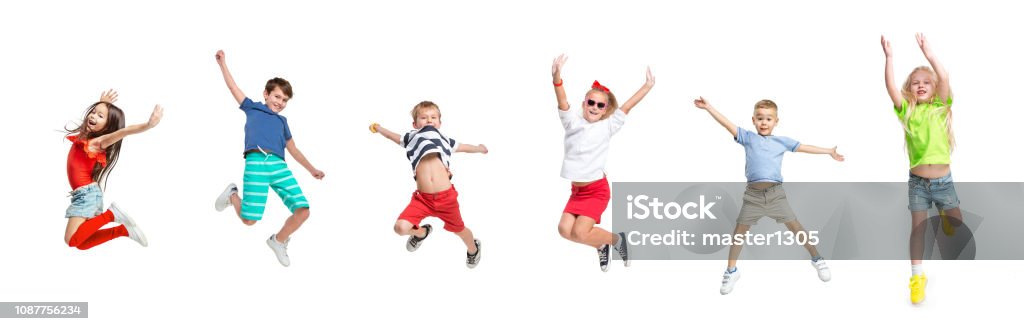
[{"x": 264, "y": 171}]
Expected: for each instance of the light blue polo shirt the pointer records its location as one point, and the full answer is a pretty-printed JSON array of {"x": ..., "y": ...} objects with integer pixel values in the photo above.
[
  {"x": 764, "y": 155},
  {"x": 264, "y": 129}
]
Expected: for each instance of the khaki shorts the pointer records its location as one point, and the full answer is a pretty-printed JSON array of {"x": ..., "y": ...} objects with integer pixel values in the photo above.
[{"x": 768, "y": 202}]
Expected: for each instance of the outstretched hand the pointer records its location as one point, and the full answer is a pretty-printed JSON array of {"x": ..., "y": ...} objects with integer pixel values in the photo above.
[
  {"x": 483, "y": 149},
  {"x": 650, "y": 78},
  {"x": 701, "y": 103},
  {"x": 922, "y": 42},
  {"x": 556, "y": 66},
  {"x": 220, "y": 56},
  {"x": 154, "y": 118},
  {"x": 835, "y": 155},
  {"x": 886, "y": 47},
  {"x": 108, "y": 96}
]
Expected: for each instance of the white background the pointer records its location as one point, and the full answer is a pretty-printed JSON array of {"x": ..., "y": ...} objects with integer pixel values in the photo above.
[{"x": 487, "y": 65}]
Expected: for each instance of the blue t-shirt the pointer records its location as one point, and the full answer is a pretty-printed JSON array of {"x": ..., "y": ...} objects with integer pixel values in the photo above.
[
  {"x": 264, "y": 129},
  {"x": 764, "y": 155}
]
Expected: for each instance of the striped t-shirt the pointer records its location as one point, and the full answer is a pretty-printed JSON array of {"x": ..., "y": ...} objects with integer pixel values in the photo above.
[{"x": 426, "y": 140}]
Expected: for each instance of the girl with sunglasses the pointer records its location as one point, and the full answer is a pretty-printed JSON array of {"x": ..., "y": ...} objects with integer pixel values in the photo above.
[{"x": 587, "y": 136}]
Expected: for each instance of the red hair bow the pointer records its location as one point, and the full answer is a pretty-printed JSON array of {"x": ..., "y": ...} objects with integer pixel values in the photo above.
[{"x": 600, "y": 87}]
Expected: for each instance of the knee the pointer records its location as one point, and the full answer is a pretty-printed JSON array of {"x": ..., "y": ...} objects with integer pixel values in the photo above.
[
  {"x": 579, "y": 233},
  {"x": 248, "y": 222},
  {"x": 403, "y": 227},
  {"x": 301, "y": 214},
  {"x": 565, "y": 231}
]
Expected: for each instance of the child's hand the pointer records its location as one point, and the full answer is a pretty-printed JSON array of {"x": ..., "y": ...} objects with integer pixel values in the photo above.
[
  {"x": 108, "y": 96},
  {"x": 701, "y": 103},
  {"x": 835, "y": 155},
  {"x": 154, "y": 118},
  {"x": 317, "y": 174},
  {"x": 886, "y": 48},
  {"x": 556, "y": 67},
  {"x": 922, "y": 42},
  {"x": 220, "y": 57},
  {"x": 483, "y": 149},
  {"x": 373, "y": 127},
  {"x": 650, "y": 78}
]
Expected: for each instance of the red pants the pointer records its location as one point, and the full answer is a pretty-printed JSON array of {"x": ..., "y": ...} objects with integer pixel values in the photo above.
[{"x": 443, "y": 205}]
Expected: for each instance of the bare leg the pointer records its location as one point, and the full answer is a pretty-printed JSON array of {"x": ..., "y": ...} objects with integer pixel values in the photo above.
[
  {"x": 584, "y": 232},
  {"x": 734, "y": 250},
  {"x": 565, "y": 226},
  {"x": 293, "y": 223},
  {"x": 405, "y": 228},
  {"x": 236, "y": 202},
  {"x": 73, "y": 224},
  {"x": 917, "y": 232},
  {"x": 795, "y": 227},
  {"x": 467, "y": 238}
]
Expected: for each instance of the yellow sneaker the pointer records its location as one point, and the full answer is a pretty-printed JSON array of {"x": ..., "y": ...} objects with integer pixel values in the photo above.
[
  {"x": 947, "y": 228},
  {"x": 917, "y": 284}
]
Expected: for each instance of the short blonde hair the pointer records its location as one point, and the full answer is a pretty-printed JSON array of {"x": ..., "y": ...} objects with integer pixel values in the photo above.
[
  {"x": 766, "y": 104},
  {"x": 424, "y": 104}
]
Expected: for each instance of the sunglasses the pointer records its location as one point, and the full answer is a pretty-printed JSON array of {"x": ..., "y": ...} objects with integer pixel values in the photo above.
[{"x": 591, "y": 102}]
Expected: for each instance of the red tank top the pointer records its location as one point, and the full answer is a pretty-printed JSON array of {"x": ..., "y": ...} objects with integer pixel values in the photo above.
[{"x": 81, "y": 162}]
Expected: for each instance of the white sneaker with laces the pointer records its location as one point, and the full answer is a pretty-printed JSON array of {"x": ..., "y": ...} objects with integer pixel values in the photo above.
[
  {"x": 224, "y": 200},
  {"x": 134, "y": 233},
  {"x": 729, "y": 280},
  {"x": 280, "y": 249}
]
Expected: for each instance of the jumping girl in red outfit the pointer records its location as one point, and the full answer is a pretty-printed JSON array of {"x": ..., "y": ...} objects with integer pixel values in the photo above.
[{"x": 95, "y": 146}]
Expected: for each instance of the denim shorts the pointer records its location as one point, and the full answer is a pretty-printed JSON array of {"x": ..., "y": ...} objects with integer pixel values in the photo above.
[
  {"x": 86, "y": 201},
  {"x": 924, "y": 192}
]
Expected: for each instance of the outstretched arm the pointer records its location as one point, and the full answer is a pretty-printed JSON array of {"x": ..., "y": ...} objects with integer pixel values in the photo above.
[
  {"x": 890, "y": 82},
  {"x": 556, "y": 79},
  {"x": 301, "y": 159},
  {"x": 942, "y": 86},
  {"x": 235, "y": 91},
  {"x": 640, "y": 94},
  {"x": 705, "y": 105},
  {"x": 104, "y": 141},
  {"x": 376, "y": 128},
  {"x": 467, "y": 148},
  {"x": 811, "y": 149}
]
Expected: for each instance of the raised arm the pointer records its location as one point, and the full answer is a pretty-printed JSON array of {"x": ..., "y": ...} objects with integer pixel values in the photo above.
[
  {"x": 811, "y": 149},
  {"x": 556, "y": 79},
  {"x": 376, "y": 128},
  {"x": 467, "y": 148},
  {"x": 102, "y": 142},
  {"x": 301, "y": 159},
  {"x": 942, "y": 86},
  {"x": 640, "y": 94},
  {"x": 235, "y": 91},
  {"x": 890, "y": 82},
  {"x": 705, "y": 105}
]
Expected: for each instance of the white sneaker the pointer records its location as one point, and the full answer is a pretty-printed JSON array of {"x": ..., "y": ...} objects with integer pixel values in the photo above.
[
  {"x": 729, "y": 280},
  {"x": 224, "y": 200},
  {"x": 474, "y": 259},
  {"x": 823, "y": 273},
  {"x": 281, "y": 250},
  {"x": 134, "y": 233}
]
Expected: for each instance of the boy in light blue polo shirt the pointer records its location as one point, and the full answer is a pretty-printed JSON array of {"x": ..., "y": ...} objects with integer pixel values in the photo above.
[
  {"x": 267, "y": 136},
  {"x": 764, "y": 195}
]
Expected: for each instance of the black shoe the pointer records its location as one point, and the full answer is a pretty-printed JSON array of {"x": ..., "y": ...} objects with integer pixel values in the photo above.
[
  {"x": 602, "y": 256},
  {"x": 473, "y": 259},
  {"x": 414, "y": 241}
]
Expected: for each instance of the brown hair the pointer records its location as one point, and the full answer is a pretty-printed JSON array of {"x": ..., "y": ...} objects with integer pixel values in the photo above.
[
  {"x": 115, "y": 121},
  {"x": 279, "y": 82},
  {"x": 766, "y": 104}
]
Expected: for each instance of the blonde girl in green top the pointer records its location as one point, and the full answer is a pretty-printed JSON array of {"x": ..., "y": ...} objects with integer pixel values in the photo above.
[{"x": 923, "y": 107}]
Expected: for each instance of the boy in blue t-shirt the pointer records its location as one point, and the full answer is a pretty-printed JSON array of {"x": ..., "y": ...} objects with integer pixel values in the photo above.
[
  {"x": 267, "y": 136},
  {"x": 764, "y": 195}
]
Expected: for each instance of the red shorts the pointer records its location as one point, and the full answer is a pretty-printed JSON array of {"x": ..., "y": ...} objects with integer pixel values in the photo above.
[
  {"x": 589, "y": 200},
  {"x": 443, "y": 205}
]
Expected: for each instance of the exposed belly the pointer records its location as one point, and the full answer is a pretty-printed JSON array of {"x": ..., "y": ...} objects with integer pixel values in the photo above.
[
  {"x": 431, "y": 174},
  {"x": 931, "y": 171}
]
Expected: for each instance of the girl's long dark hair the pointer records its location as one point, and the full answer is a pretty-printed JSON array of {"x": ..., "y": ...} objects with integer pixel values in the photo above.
[{"x": 115, "y": 121}]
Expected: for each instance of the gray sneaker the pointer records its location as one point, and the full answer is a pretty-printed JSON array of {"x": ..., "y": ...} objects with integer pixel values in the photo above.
[
  {"x": 473, "y": 259},
  {"x": 224, "y": 200},
  {"x": 602, "y": 257},
  {"x": 414, "y": 242},
  {"x": 623, "y": 248},
  {"x": 280, "y": 249},
  {"x": 134, "y": 233}
]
